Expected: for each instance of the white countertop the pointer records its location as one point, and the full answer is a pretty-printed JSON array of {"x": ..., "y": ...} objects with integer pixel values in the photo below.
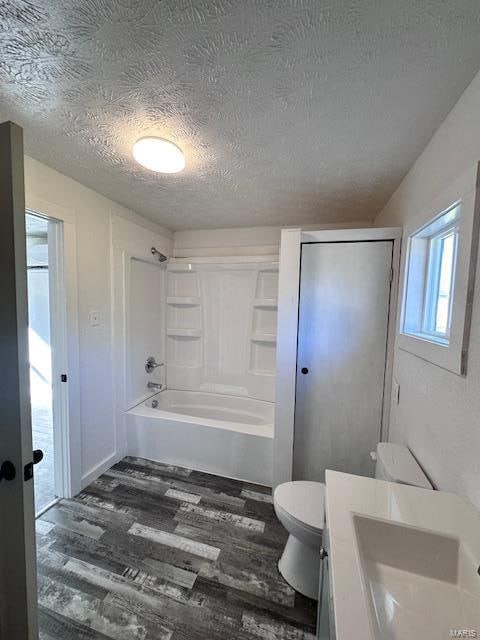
[{"x": 348, "y": 495}]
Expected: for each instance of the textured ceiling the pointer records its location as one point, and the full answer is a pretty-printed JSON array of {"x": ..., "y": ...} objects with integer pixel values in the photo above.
[{"x": 289, "y": 111}]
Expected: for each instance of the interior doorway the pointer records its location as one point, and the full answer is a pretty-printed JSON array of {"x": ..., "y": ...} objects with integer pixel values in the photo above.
[{"x": 45, "y": 336}]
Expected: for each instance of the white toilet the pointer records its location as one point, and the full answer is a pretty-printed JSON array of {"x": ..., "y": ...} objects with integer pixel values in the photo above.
[{"x": 300, "y": 507}]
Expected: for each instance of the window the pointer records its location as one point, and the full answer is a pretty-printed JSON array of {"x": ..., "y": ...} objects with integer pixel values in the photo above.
[
  {"x": 439, "y": 275},
  {"x": 430, "y": 277}
]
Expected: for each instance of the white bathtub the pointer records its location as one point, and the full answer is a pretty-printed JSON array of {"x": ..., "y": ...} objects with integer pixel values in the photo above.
[{"x": 225, "y": 435}]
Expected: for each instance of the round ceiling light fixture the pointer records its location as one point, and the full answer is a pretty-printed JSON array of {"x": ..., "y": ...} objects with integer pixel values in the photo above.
[{"x": 159, "y": 155}]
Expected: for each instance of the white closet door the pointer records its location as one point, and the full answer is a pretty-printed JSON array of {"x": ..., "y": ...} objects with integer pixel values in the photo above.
[{"x": 342, "y": 337}]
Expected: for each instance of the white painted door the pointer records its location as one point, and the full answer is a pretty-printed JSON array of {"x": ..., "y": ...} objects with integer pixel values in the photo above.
[
  {"x": 342, "y": 338},
  {"x": 18, "y": 585}
]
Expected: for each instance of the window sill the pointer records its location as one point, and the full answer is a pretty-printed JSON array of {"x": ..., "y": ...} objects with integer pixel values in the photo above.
[
  {"x": 427, "y": 337},
  {"x": 447, "y": 356}
]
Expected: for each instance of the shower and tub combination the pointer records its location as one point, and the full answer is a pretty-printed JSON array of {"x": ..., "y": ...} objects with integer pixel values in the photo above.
[{"x": 201, "y": 344}]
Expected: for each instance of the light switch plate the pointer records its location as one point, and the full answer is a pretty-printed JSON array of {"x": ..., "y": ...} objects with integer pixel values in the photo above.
[{"x": 94, "y": 318}]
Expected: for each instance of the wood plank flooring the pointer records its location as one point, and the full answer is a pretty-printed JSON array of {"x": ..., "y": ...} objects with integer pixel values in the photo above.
[{"x": 156, "y": 552}]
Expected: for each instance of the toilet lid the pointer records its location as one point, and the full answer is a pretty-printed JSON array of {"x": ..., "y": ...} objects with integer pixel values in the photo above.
[{"x": 304, "y": 501}]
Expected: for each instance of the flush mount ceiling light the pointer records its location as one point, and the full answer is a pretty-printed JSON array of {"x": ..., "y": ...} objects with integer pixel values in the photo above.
[{"x": 159, "y": 155}]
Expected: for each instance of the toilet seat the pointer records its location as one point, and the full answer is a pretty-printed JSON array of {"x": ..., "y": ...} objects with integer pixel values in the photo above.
[{"x": 303, "y": 502}]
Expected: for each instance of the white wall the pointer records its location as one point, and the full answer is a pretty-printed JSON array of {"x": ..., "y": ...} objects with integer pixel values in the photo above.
[
  {"x": 250, "y": 241},
  {"x": 246, "y": 241},
  {"x": 438, "y": 416},
  {"x": 95, "y": 219}
]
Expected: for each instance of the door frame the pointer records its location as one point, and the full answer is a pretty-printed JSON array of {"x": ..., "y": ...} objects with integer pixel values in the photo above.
[
  {"x": 65, "y": 346},
  {"x": 288, "y": 310}
]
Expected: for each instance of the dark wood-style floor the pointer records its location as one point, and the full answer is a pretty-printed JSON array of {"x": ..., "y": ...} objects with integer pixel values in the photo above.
[{"x": 155, "y": 552}]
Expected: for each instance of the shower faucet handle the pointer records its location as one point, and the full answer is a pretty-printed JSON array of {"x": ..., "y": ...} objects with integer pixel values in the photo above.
[{"x": 152, "y": 364}]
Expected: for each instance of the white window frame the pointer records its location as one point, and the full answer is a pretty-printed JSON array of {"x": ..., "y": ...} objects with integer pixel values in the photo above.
[
  {"x": 430, "y": 293},
  {"x": 449, "y": 354}
]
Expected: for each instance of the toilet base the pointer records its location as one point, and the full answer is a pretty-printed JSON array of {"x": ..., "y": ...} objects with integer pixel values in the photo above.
[{"x": 300, "y": 566}]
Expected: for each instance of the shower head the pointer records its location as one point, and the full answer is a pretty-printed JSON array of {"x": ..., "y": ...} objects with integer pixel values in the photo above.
[{"x": 161, "y": 256}]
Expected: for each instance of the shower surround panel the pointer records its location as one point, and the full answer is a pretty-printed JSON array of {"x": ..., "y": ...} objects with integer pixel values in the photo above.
[
  {"x": 217, "y": 412},
  {"x": 221, "y": 327}
]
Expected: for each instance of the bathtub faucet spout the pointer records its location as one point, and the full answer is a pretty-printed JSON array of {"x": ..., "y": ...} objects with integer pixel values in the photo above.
[{"x": 154, "y": 385}]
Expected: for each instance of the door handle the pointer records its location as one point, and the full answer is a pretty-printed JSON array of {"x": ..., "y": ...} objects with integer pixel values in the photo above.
[
  {"x": 304, "y": 370},
  {"x": 28, "y": 468},
  {"x": 7, "y": 471}
]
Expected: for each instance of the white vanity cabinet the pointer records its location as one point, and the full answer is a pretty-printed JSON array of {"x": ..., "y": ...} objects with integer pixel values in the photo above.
[{"x": 394, "y": 544}]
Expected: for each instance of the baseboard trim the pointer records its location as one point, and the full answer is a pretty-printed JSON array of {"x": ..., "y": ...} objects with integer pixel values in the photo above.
[{"x": 100, "y": 468}]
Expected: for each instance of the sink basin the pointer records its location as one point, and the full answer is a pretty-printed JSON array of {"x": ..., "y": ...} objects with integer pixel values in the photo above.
[{"x": 418, "y": 583}]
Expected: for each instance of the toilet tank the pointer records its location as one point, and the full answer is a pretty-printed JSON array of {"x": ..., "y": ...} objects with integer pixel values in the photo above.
[{"x": 395, "y": 463}]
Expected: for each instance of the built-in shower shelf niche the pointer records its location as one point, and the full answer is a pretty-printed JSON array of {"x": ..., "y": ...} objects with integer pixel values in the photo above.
[
  {"x": 184, "y": 362},
  {"x": 184, "y": 333},
  {"x": 184, "y": 318},
  {"x": 182, "y": 283},
  {"x": 264, "y": 337},
  {"x": 180, "y": 268},
  {"x": 264, "y": 314},
  {"x": 222, "y": 325},
  {"x": 267, "y": 284},
  {"x": 261, "y": 374},
  {"x": 265, "y": 303},
  {"x": 183, "y": 301},
  {"x": 184, "y": 353}
]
